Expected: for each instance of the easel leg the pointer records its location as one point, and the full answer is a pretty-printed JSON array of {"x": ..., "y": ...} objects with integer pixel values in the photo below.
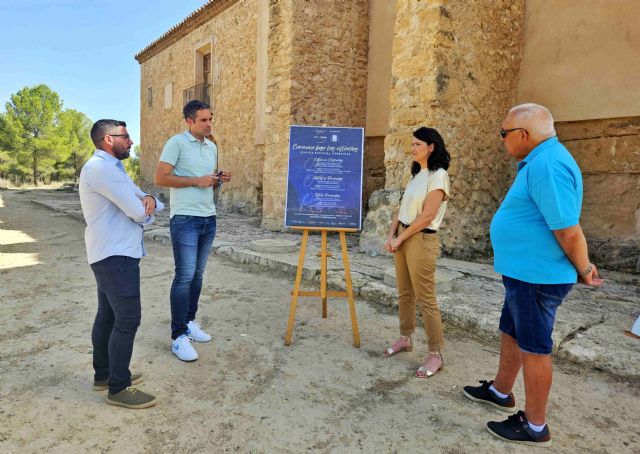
[
  {"x": 347, "y": 279},
  {"x": 323, "y": 274},
  {"x": 296, "y": 289}
]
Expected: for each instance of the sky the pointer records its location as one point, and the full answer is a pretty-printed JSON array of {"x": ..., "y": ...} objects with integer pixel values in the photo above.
[{"x": 84, "y": 50}]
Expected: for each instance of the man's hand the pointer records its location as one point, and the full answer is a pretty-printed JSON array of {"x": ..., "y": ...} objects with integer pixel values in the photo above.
[
  {"x": 574, "y": 244},
  {"x": 592, "y": 278},
  {"x": 206, "y": 181},
  {"x": 225, "y": 176},
  {"x": 149, "y": 204}
]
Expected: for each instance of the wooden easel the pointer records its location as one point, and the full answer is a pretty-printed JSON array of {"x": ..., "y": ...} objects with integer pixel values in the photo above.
[{"x": 323, "y": 293}]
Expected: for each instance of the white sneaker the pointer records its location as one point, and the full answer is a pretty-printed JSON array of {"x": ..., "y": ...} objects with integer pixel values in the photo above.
[
  {"x": 181, "y": 347},
  {"x": 195, "y": 333}
]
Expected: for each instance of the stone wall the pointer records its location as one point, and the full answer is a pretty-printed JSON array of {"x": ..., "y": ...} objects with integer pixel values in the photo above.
[
  {"x": 278, "y": 112},
  {"x": 455, "y": 68},
  {"x": 608, "y": 153},
  {"x": 231, "y": 36},
  {"x": 317, "y": 76},
  {"x": 455, "y": 65}
]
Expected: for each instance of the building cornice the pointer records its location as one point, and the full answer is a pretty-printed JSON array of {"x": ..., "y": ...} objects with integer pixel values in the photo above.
[{"x": 194, "y": 20}]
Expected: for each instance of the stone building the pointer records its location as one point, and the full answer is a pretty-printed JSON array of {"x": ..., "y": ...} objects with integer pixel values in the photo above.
[{"x": 393, "y": 65}]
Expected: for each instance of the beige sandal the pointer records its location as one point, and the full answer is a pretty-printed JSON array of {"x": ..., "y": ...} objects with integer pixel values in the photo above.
[
  {"x": 399, "y": 346},
  {"x": 424, "y": 372}
]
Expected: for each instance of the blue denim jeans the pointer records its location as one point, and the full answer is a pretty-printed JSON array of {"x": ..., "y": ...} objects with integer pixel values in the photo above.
[
  {"x": 117, "y": 319},
  {"x": 192, "y": 237},
  {"x": 529, "y": 313}
]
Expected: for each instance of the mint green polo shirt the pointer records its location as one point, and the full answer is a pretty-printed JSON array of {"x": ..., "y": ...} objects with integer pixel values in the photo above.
[{"x": 191, "y": 158}]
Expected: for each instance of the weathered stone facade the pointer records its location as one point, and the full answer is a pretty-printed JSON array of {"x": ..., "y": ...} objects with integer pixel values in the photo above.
[
  {"x": 317, "y": 76},
  {"x": 230, "y": 37},
  {"x": 455, "y": 68},
  {"x": 608, "y": 153},
  {"x": 455, "y": 65}
]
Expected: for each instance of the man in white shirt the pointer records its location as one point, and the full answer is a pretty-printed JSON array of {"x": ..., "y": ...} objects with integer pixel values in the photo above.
[{"x": 115, "y": 210}]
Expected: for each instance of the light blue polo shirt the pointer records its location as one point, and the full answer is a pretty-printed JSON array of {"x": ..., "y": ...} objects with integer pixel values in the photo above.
[
  {"x": 546, "y": 195},
  {"x": 191, "y": 158}
]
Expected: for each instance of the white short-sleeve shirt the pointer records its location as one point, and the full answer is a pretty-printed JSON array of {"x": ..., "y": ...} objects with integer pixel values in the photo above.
[{"x": 416, "y": 192}]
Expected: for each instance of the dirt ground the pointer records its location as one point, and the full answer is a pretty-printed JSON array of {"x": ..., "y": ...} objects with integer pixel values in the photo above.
[{"x": 248, "y": 392}]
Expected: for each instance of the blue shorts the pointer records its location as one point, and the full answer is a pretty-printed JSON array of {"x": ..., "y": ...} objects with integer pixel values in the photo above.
[{"x": 529, "y": 313}]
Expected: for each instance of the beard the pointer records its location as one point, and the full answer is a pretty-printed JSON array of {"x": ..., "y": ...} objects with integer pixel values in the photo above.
[{"x": 121, "y": 152}]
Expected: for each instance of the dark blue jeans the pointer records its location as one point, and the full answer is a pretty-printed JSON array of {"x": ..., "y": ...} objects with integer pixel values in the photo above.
[
  {"x": 117, "y": 319},
  {"x": 192, "y": 237},
  {"x": 529, "y": 313}
]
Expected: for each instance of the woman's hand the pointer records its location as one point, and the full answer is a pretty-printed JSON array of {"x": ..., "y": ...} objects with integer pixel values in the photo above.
[
  {"x": 395, "y": 243},
  {"x": 387, "y": 246}
]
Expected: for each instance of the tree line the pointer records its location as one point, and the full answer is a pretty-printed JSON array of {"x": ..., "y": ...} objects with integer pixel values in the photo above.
[{"x": 40, "y": 142}]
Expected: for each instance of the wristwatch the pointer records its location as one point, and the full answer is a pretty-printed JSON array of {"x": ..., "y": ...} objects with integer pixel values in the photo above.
[{"x": 586, "y": 271}]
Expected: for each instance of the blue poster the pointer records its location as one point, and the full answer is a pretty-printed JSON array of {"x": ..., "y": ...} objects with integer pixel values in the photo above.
[{"x": 324, "y": 179}]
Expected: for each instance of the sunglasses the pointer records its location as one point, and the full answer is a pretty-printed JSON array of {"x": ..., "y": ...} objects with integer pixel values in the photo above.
[{"x": 504, "y": 132}]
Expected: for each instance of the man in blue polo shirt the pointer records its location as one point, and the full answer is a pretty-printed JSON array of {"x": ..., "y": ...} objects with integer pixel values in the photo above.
[
  {"x": 540, "y": 250},
  {"x": 189, "y": 166}
]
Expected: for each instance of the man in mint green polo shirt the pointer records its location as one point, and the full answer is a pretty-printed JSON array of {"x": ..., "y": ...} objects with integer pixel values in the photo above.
[
  {"x": 189, "y": 166},
  {"x": 540, "y": 250}
]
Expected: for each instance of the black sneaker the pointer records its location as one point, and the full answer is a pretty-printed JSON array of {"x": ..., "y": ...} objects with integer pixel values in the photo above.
[
  {"x": 483, "y": 394},
  {"x": 101, "y": 385},
  {"x": 131, "y": 398},
  {"x": 516, "y": 429}
]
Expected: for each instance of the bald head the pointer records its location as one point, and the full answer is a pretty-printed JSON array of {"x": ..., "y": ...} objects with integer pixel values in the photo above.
[
  {"x": 536, "y": 119},
  {"x": 525, "y": 127}
]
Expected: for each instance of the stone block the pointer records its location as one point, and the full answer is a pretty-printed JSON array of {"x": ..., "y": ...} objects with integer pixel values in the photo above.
[
  {"x": 276, "y": 262},
  {"x": 379, "y": 293},
  {"x": 621, "y": 126},
  {"x": 477, "y": 317},
  {"x": 606, "y": 348},
  {"x": 484, "y": 270},
  {"x": 615, "y": 255},
  {"x": 593, "y": 129},
  {"x": 335, "y": 280},
  {"x": 611, "y": 207},
  {"x": 382, "y": 206},
  {"x": 274, "y": 246},
  {"x": 607, "y": 154}
]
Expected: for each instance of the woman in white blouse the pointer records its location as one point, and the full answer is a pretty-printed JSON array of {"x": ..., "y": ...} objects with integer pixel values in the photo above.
[{"x": 413, "y": 240}]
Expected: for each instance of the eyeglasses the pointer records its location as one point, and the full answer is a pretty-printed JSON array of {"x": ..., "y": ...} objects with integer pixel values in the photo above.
[
  {"x": 126, "y": 136},
  {"x": 504, "y": 132}
]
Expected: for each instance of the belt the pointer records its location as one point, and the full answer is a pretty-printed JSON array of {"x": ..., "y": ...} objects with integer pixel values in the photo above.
[{"x": 406, "y": 226}]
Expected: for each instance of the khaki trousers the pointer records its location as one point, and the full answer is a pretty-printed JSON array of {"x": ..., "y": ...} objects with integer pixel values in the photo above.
[{"x": 415, "y": 262}]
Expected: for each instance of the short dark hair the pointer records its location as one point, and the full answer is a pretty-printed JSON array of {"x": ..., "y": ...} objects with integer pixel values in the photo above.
[
  {"x": 439, "y": 158},
  {"x": 192, "y": 107},
  {"x": 102, "y": 128}
]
